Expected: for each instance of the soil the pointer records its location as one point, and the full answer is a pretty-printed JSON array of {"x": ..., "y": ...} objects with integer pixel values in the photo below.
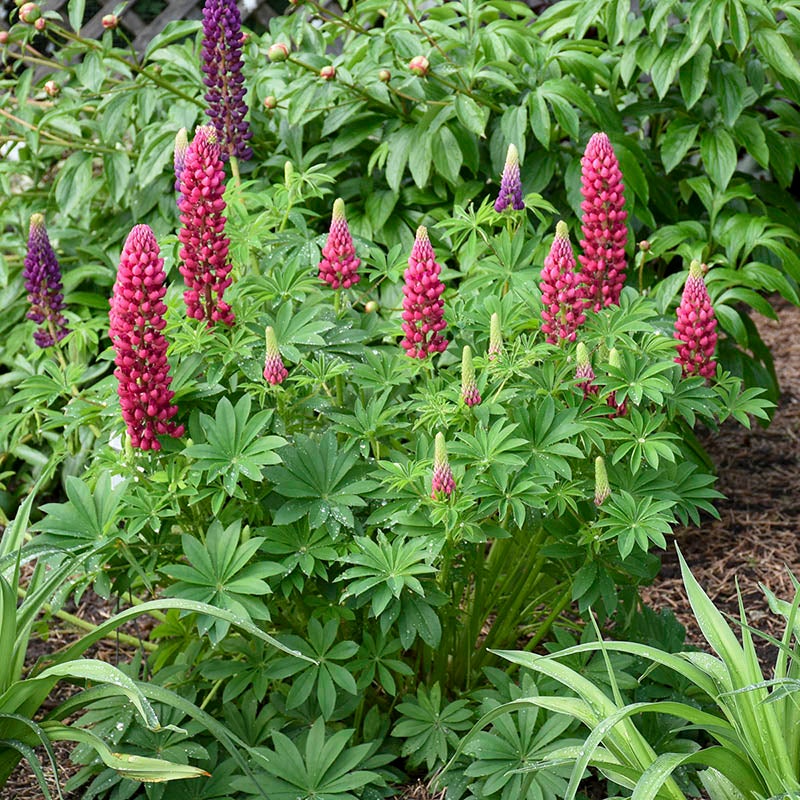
[{"x": 755, "y": 542}]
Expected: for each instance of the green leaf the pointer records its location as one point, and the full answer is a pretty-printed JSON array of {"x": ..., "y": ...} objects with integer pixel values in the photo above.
[
  {"x": 447, "y": 155},
  {"x": 693, "y": 75},
  {"x": 719, "y": 155},
  {"x": 678, "y": 139},
  {"x": 772, "y": 47},
  {"x": 471, "y": 115},
  {"x": 729, "y": 86},
  {"x": 75, "y": 10}
]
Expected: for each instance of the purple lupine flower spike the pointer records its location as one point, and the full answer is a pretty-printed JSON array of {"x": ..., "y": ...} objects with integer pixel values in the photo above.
[
  {"x": 222, "y": 64},
  {"x": 510, "y": 184},
  {"x": 42, "y": 276},
  {"x": 179, "y": 157}
]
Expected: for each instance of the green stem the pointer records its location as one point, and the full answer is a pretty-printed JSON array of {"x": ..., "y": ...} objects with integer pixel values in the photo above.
[
  {"x": 84, "y": 625},
  {"x": 237, "y": 179}
]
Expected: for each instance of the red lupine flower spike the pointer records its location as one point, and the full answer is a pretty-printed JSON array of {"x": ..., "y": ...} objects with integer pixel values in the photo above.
[
  {"x": 603, "y": 224},
  {"x": 695, "y": 327},
  {"x": 136, "y": 322},
  {"x": 204, "y": 253},
  {"x": 339, "y": 264},
  {"x": 563, "y": 299},
  {"x": 423, "y": 307},
  {"x": 443, "y": 483}
]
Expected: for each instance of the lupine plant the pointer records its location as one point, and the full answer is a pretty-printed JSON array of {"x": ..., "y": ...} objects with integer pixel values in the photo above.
[{"x": 420, "y": 434}]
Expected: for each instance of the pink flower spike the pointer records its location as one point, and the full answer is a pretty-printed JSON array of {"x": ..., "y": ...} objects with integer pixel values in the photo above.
[
  {"x": 469, "y": 387},
  {"x": 423, "y": 307},
  {"x": 136, "y": 322},
  {"x": 204, "y": 253},
  {"x": 584, "y": 372},
  {"x": 274, "y": 370},
  {"x": 563, "y": 298},
  {"x": 443, "y": 483},
  {"x": 695, "y": 327},
  {"x": 603, "y": 224},
  {"x": 339, "y": 265}
]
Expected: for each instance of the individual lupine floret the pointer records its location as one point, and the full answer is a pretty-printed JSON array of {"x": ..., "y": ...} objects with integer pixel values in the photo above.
[
  {"x": 423, "y": 307},
  {"x": 469, "y": 386},
  {"x": 221, "y": 60},
  {"x": 274, "y": 370},
  {"x": 136, "y": 329},
  {"x": 695, "y": 327},
  {"x": 563, "y": 298},
  {"x": 584, "y": 372},
  {"x": 495, "y": 337},
  {"x": 510, "y": 184},
  {"x": 339, "y": 264},
  {"x": 42, "y": 275},
  {"x": 602, "y": 489},
  {"x": 603, "y": 224},
  {"x": 620, "y": 409},
  {"x": 179, "y": 157},
  {"x": 204, "y": 253},
  {"x": 443, "y": 483}
]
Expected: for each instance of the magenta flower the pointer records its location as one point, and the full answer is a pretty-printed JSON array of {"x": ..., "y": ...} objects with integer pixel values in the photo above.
[
  {"x": 179, "y": 156},
  {"x": 205, "y": 266},
  {"x": 584, "y": 372},
  {"x": 603, "y": 224},
  {"x": 563, "y": 298},
  {"x": 274, "y": 370},
  {"x": 136, "y": 323},
  {"x": 443, "y": 482},
  {"x": 695, "y": 327},
  {"x": 510, "y": 184},
  {"x": 423, "y": 307},
  {"x": 339, "y": 265},
  {"x": 469, "y": 386},
  {"x": 221, "y": 61},
  {"x": 42, "y": 275}
]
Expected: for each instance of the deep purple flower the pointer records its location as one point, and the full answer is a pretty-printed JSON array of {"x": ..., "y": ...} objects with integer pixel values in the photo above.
[
  {"x": 695, "y": 327},
  {"x": 179, "y": 157},
  {"x": 136, "y": 327},
  {"x": 222, "y": 64},
  {"x": 510, "y": 184},
  {"x": 604, "y": 229},
  {"x": 42, "y": 276},
  {"x": 423, "y": 307}
]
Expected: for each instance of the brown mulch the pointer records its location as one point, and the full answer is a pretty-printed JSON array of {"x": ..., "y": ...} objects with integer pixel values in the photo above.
[{"x": 755, "y": 541}]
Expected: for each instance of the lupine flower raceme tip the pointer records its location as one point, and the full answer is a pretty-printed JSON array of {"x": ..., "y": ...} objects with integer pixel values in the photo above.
[
  {"x": 602, "y": 489},
  {"x": 274, "y": 370},
  {"x": 510, "y": 184},
  {"x": 695, "y": 326},
  {"x": 584, "y": 372},
  {"x": 42, "y": 275},
  {"x": 443, "y": 483},
  {"x": 204, "y": 250},
  {"x": 604, "y": 229},
  {"x": 423, "y": 307},
  {"x": 179, "y": 157},
  {"x": 339, "y": 264},
  {"x": 495, "y": 337},
  {"x": 620, "y": 409},
  {"x": 222, "y": 64},
  {"x": 562, "y": 290},
  {"x": 136, "y": 324},
  {"x": 469, "y": 386}
]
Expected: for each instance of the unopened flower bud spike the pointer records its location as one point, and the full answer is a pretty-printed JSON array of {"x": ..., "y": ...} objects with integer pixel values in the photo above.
[
  {"x": 469, "y": 387},
  {"x": 602, "y": 490},
  {"x": 443, "y": 484},
  {"x": 275, "y": 371}
]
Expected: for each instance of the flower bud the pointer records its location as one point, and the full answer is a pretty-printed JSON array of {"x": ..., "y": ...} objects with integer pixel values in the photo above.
[
  {"x": 371, "y": 306},
  {"x": 40, "y": 24},
  {"x": 270, "y": 102},
  {"x": 469, "y": 387},
  {"x": 51, "y": 89},
  {"x": 3, "y": 37},
  {"x": 328, "y": 73},
  {"x": 385, "y": 76},
  {"x": 495, "y": 337},
  {"x": 274, "y": 370},
  {"x": 601, "y": 487},
  {"x": 288, "y": 172},
  {"x": 110, "y": 21},
  {"x": 278, "y": 52},
  {"x": 443, "y": 483},
  {"x": 419, "y": 65},
  {"x": 644, "y": 245},
  {"x": 244, "y": 38},
  {"x": 29, "y": 12}
]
